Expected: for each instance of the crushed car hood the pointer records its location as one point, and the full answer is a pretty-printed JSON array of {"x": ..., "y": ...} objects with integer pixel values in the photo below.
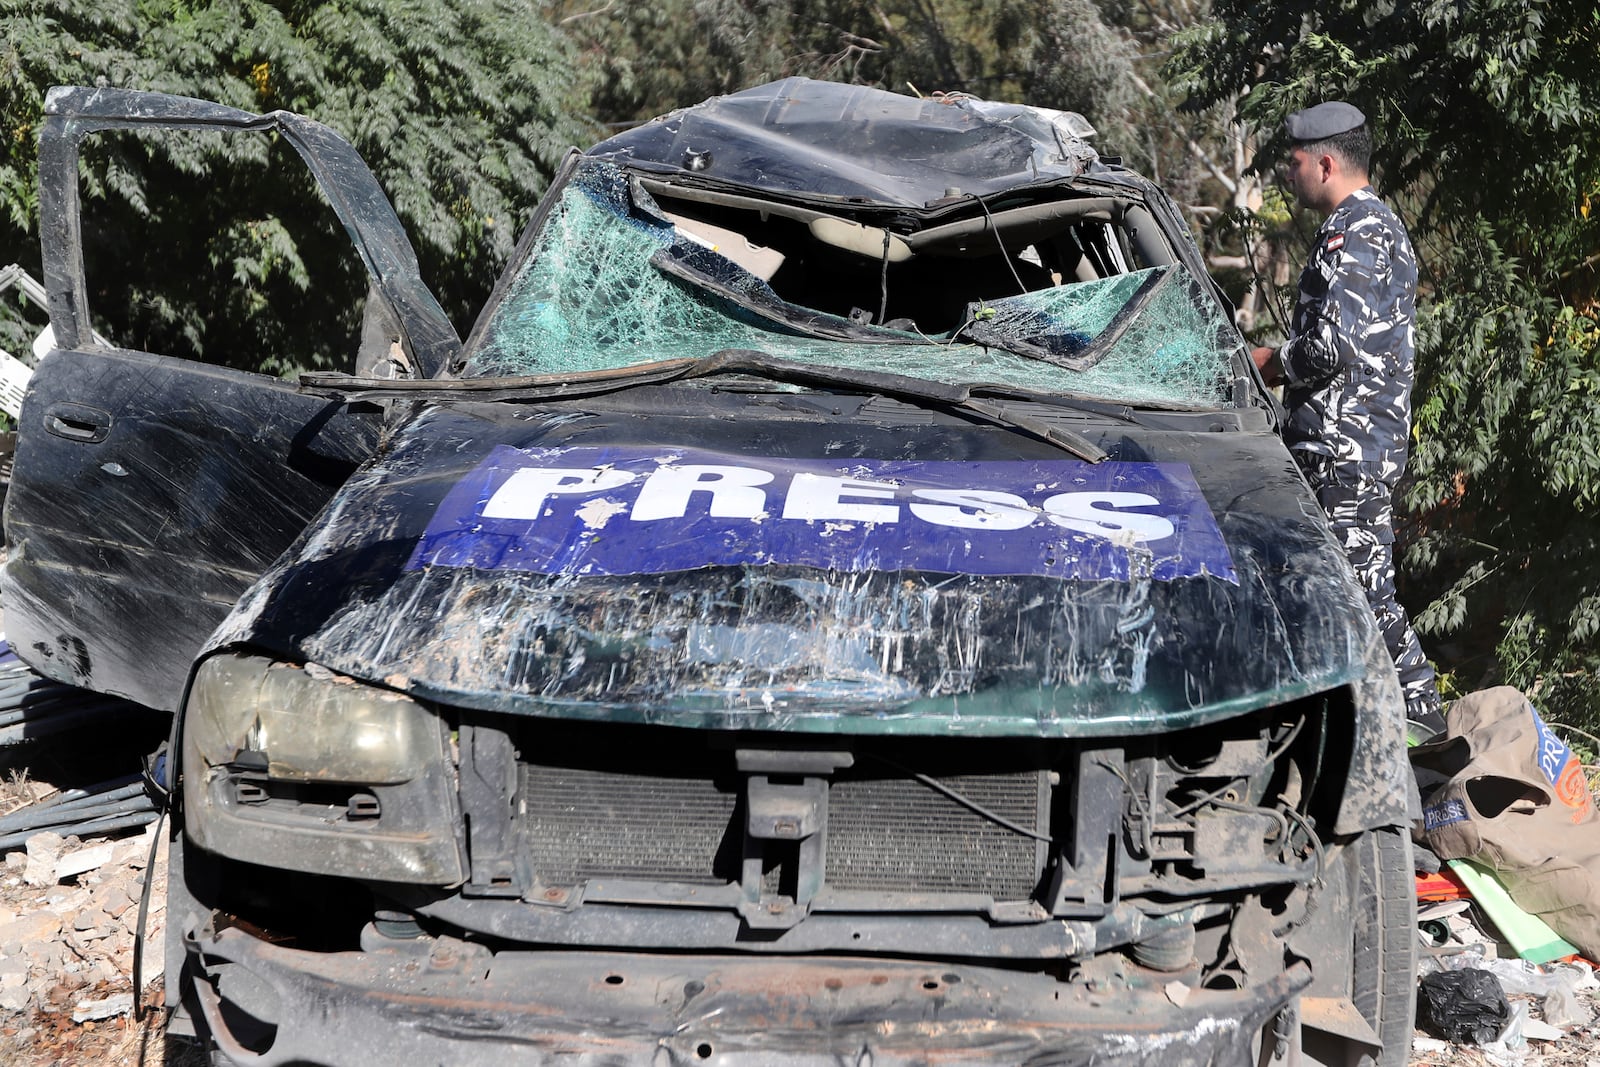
[{"x": 714, "y": 558}]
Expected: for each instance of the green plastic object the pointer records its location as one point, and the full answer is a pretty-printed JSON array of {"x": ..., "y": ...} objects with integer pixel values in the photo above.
[{"x": 1530, "y": 935}]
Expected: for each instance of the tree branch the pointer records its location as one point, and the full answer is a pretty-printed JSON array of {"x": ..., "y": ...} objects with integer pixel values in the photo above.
[
  {"x": 587, "y": 14},
  {"x": 1229, "y": 183}
]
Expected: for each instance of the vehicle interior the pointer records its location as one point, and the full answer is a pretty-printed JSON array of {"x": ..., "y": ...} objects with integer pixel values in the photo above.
[{"x": 891, "y": 269}]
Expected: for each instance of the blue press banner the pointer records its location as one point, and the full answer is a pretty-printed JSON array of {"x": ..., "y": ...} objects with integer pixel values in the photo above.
[
  {"x": 1552, "y": 753},
  {"x": 635, "y": 510}
]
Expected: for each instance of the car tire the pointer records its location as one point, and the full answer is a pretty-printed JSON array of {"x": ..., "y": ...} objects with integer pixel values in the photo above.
[{"x": 1383, "y": 959}]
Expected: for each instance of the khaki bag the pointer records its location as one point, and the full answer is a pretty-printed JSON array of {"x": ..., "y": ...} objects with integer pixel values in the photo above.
[{"x": 1505, "y": 792}]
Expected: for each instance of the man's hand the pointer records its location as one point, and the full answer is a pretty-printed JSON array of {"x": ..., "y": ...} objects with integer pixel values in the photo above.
[{"x": 1267, "y": 363}]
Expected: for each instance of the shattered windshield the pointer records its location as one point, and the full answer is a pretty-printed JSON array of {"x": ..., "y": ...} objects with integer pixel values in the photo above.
[{"x": 611, "y": 282}]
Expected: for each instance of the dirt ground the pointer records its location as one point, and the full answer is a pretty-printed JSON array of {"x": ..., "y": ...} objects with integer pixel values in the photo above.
[{"x": 55, "y": 1041}]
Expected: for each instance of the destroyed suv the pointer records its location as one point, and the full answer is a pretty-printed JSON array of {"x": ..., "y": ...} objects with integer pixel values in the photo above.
[{"x": 846, "y": 602}]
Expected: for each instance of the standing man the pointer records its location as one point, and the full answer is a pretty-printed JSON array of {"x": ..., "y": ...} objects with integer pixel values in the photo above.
[{"x": 1346, "y": 370}]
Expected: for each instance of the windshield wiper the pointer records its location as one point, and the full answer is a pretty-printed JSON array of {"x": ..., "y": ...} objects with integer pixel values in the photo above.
[{"x": 535, "y": 387}]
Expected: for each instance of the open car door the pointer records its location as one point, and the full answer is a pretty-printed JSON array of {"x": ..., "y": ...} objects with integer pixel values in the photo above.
[{"x": 148, "y": 492}]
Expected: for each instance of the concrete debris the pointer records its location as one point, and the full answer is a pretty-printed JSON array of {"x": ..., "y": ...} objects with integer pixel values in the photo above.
[
  {"x": 69, "y": 912},
  {"x": 1535, "y": 1030},
  {"x": 44, "y": 849},
  {"x": 106, "y": 1008},
  {"x": 84, "y": 859},
  {"x": 134, "y": 851},
  {"x": 25, "y": 931}
]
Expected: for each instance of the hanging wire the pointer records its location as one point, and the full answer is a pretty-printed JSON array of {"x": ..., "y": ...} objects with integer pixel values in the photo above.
[
  {"x": 1271, "y": 757},
  {"x": 883, "y": 281},
  {"x": 995, "y": 229}
]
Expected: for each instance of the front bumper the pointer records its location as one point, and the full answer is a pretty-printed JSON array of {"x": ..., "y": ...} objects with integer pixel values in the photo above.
[{"x": 440, "y": 1000}]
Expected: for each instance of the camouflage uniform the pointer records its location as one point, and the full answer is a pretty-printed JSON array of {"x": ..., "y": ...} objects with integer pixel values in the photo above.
[{"x": 1347, "y": 384}]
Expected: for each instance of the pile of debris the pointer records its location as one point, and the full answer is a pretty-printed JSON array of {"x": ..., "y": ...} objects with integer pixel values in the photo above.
[
  {"x": 69, "y": 919},
  {"x": 73, "y": 873},
  {"x": 69, "y": 924},
  {"x": 1509, "y": 915},
  {"x": 1520, "y": 997}
]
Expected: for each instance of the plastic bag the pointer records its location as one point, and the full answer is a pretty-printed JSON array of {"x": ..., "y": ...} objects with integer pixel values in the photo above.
[
  {"x": 1556, "y": 987},
  {"x": 1464, "y": 1006},
  {"x": 1559, "y": 986}
]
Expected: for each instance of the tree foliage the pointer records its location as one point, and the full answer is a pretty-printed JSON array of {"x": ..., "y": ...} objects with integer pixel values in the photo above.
[
  {"x": 1069, "y": 54},
  {"x": 678, "y": 52},
  {"x": 463, "y": 109},
  {"x": 1483, "y": 113}
]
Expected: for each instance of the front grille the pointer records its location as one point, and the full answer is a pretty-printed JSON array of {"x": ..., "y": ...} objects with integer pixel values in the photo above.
[
  {"x": 885, "y": 834},
  {"x": 595, "y": 824},
  {"x": 900, "y": 834}
]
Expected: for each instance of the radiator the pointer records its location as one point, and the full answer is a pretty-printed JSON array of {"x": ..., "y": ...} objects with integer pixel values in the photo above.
[{"x": 886, "y": 834}]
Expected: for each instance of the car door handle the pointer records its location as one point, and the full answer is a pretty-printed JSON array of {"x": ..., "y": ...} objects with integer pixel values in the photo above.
[{"x": 78, "y": 422}]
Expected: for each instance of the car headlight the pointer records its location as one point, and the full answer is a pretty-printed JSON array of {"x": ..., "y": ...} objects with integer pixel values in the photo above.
[
  {"x": 298, "y": 767},
  {"x": 309, "y": 723}
]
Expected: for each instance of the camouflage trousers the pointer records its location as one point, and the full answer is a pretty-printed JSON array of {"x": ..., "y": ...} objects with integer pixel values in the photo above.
[
  {"x": 1357, "y": 500},
  {"x": 1372, "y": 556}
]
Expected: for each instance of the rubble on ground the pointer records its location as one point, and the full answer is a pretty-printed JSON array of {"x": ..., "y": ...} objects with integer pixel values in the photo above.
[{"x": 69, "y": 918}]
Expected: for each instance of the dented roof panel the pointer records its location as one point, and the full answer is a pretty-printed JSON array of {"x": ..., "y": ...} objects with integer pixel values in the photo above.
[{"x": 827, "y": 141}]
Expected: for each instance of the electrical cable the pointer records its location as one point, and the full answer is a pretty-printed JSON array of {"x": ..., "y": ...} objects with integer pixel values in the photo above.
[
  {"x": 883, "y": 281},
  {"x": 44, "y": 812},
  {"x": 84, "y": 791},
  {"x": 100, "y": 825},
  {"x": 1283, "y": 746},
  {"x": 145, "y": 893},
  {"x": 1004, "y": 255}
]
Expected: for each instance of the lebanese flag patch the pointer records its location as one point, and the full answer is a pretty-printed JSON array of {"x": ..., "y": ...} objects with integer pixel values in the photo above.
[{"x": 1335, "y": 242}]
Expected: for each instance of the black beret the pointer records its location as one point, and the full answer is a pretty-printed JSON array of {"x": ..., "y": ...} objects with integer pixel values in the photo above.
[{"x": 1322, "y": 121}]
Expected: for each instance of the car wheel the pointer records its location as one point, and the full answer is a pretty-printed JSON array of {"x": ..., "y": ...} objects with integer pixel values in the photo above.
[{"x": 1383, "y": 976}]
